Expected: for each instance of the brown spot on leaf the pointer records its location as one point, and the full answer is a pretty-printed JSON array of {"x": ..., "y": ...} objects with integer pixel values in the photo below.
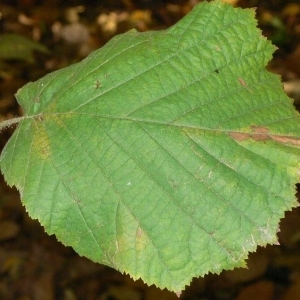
[
  {"x": 259, "y": 129},
  {"x": 98, "y": 84},
  {"x": 286, "y": 140},
  {"x": 242, "y": 82},
  {"x": 259, "y": 133},
  {"x": 139, "y": 232},
  {"x": 260, "y": 137},
  {"x": 262, "y": 134},
  {"x": 40, "y": 118},
  {"x": 239, "y": 136}
]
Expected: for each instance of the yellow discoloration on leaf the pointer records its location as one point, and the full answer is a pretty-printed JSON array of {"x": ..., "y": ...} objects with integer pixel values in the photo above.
[
  {"x": 41, "y": 142},
  {"x": 141, "y": 239}
]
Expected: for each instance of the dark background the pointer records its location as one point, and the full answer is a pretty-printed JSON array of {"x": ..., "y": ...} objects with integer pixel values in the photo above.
[{"x": 34, "y": 265}]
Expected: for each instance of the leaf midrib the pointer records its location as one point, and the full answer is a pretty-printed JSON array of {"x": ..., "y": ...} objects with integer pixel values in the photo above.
[{"x": 47, "y": 116}]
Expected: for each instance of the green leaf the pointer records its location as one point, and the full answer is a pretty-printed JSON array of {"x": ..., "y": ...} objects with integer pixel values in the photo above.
[
  {"x": 14, "y": 46},
  {"x": 165, "y": 155}
]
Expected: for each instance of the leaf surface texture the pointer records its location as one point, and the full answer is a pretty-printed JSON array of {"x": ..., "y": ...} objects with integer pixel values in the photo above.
[{"x": 165, "y": 155}]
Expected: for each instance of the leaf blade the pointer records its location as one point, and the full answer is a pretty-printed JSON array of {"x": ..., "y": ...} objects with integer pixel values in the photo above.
[{"x": 168, "y": 184}]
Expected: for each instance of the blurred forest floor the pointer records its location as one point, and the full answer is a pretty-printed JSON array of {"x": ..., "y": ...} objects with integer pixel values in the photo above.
[{"x": 33, "y": 265}]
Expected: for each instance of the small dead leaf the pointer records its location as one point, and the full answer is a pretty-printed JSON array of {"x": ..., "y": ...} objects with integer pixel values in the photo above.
[{"x": 178, "y": 294}]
